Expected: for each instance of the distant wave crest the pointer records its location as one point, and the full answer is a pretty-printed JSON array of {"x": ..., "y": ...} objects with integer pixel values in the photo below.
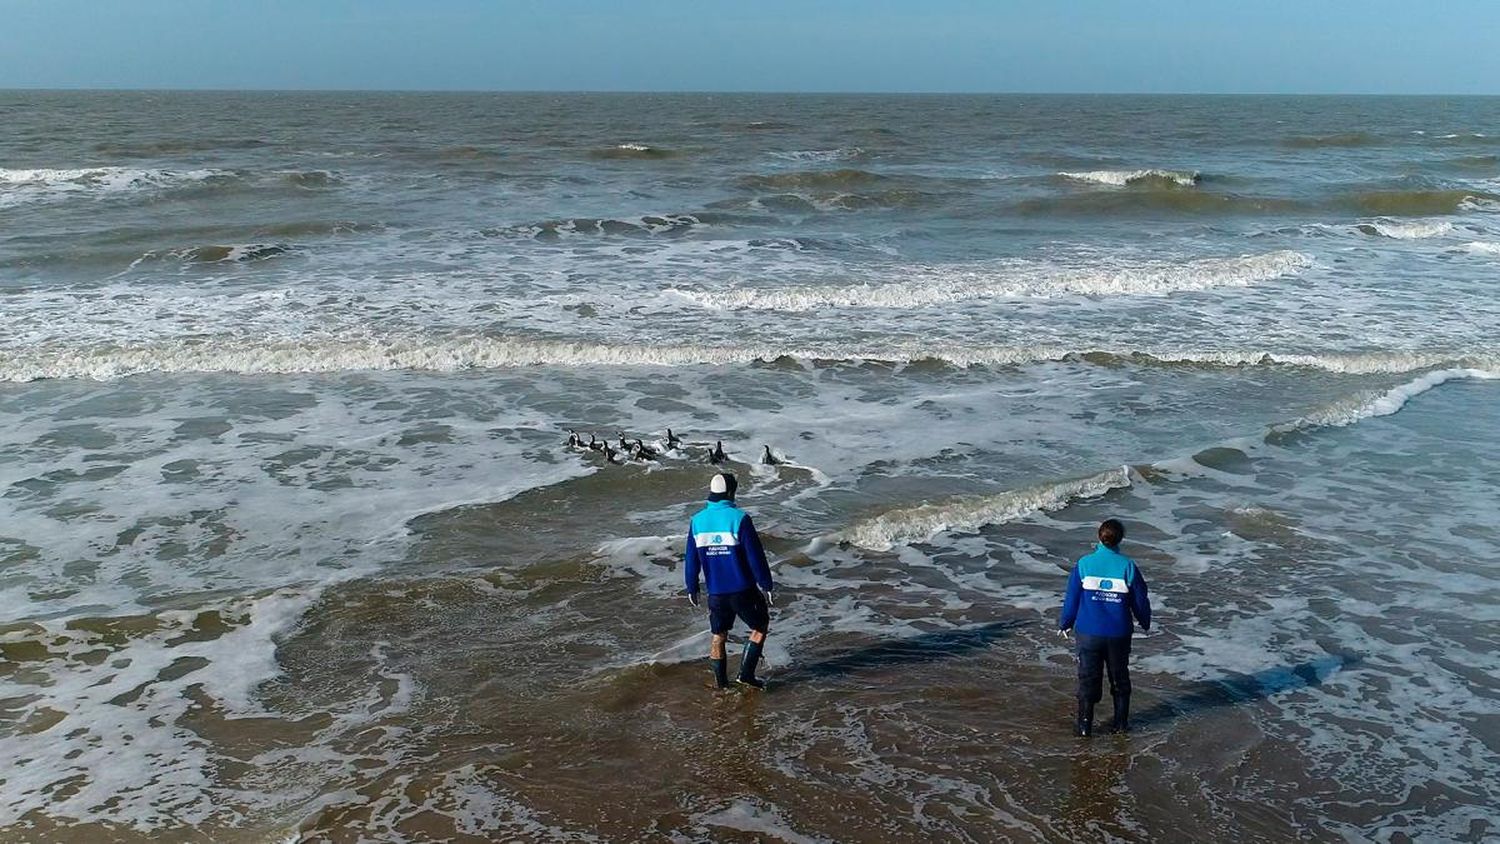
[{"x": 1126, "y": 178}]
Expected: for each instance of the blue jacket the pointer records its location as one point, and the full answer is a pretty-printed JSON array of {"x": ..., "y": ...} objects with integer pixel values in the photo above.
[
  {"x": 1104, "y": 591},
  {"x": 722, "y": 543}
]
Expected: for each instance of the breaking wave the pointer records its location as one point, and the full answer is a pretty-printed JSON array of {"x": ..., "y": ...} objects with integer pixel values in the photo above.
[
  {"x": 969, "y": 514},
  {"x": 19, "y": 186},
  {"x": 941, "y": 285},
  {"x": 1144, "y": 178},
  {"x": 246, "y": 356},
  {"x": 1483, "y": 247},
  {"x": 1346, "y": 413},
  {"x": 1406, "y": 229},
  {"x": 212, "y": 254}
]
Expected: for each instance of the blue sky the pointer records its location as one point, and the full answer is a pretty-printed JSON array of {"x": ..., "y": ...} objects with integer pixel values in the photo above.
[{"x": 1256, "y": 46}]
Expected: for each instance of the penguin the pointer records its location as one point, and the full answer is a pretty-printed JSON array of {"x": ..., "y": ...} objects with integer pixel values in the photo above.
[
  {"x": 594, "y": 444},
  {"x": 673, "y": 441},
  {"x": 624, "y": 445},
  {"x": 574, "y": 441},
  {"x": 770, "y": 459},
  {"x": 717, "y": 456},
  {"x": 644, "y": 451},
  {"x": 611, "y": 456}
]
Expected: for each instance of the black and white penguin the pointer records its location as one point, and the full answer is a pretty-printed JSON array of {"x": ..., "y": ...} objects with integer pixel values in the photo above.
[
  {"x": 770, "y": 459},
  {"x": 717, "y": 455}
]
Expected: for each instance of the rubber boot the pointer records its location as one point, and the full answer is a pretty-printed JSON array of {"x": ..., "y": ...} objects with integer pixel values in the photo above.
[
  {"x": 1122, "y": 714},
  {"x": 1085, "y": 725},
  {"x": 747, "y": 666},
  {"x": 721, "y": 671}
]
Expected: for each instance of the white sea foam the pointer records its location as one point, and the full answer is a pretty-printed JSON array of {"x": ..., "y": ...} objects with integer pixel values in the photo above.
[
  {"x": 1122, "y": 178},
  {"x": 115, "y": 718},
  {"x": 246, "y": 356},
  {"x": 1483, "y": 247},
  {"x": 965, "y": 515},
  {"x": 1407, "y": 229},
  {"x": 938, "y": 285}
]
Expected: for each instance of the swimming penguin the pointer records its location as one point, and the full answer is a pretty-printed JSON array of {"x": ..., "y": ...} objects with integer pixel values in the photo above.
[
  {"x": 770, "y": 459},
  {"x": 574, "y": 441},
  {"x": 594, "y": 444},
  {"x": 612, "y": 456},
  {"x": 624, "y": 444},
  {"x": 673, "y": 441},
  {"x": 644, "y": 451},
  {"x": 717, "y": 455}
]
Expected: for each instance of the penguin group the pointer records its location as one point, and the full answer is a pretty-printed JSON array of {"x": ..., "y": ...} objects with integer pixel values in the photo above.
[{"x": 624, "y": 449}]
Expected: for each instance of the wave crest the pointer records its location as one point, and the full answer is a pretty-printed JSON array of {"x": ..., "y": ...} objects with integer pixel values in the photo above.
[
  {"x": 633, "y": 151},
  {"x": 246, "y": 356},
  {"x": 969, "y": 514},
  {"x": 650, "y": 225},
  {"x": 25, "y": 185},
  {"x": 1143, "y": 178},
  {"x": 937, "y": 286},
  {"x": 1406, "y": 229}
]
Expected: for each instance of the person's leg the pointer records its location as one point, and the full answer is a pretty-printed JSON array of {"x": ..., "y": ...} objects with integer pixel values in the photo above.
[
  {"x": 1090, "y": 681},
  {"x": 752, "y": 608},
  {"x": 1118, "y": 658},
  {"x": 720, "y": 618}
]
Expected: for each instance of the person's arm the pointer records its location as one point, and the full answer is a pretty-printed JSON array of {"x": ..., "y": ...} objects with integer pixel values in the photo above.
[
  {"x": 755, "y": 555},
  {"x": 1070, "y": 601},
  {"x": 691, "y": 565},
  {"x": 1140, "y": 600}
]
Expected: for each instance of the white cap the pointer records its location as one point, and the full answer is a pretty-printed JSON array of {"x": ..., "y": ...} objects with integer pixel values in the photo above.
[{"x": 717, "y": 486}]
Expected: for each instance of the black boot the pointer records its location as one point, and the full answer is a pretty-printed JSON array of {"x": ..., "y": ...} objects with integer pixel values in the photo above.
[
  {"x": 747, "y": 666},
  {"x": 721, "y": 671},
  {"x": 1122, "y": 714},
  {"x": 1085, "y": 725}
]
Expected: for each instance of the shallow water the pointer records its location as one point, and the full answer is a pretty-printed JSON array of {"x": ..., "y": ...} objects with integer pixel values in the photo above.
[{"x": 290, "y": 544}]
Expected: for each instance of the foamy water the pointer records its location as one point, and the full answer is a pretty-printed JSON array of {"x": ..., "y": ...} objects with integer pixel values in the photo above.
[{"x": 290, "y": 532}]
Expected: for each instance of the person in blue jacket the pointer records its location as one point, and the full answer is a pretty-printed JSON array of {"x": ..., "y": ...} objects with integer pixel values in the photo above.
[
  {"x": 1104, "y": 591},
  {"x": 723, "y": 545}
]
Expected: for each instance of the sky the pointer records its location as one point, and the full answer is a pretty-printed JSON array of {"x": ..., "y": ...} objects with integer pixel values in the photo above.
[{"x": 1033, "y": 46}]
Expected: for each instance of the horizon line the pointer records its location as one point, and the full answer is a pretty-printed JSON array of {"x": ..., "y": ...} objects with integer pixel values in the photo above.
[{"x": 736, "y": 91}]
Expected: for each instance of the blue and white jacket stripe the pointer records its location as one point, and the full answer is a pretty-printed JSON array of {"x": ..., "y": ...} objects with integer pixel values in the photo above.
[
  {"x": 723, "y": 545},
  {"x": 1104, "y": 591}
]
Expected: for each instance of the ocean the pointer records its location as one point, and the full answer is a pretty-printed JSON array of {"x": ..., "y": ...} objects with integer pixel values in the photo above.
[{"x": 292, "y": 546}]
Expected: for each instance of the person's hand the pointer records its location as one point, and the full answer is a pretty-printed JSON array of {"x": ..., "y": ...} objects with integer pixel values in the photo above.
[
  {"x": 770, "y": 597},
  {"x": 693, "y": 598}
]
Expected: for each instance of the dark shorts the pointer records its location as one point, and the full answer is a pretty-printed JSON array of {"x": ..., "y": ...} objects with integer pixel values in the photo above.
[{"x": 749, "y": 606}]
